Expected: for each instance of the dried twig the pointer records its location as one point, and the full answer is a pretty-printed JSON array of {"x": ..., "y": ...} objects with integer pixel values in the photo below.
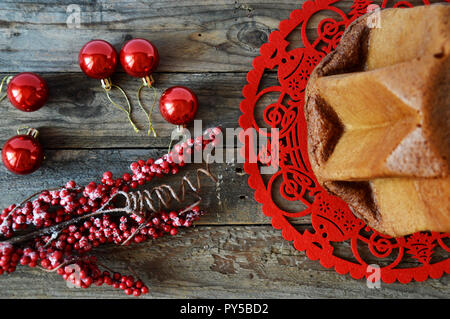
[{"x": 136, "y": 203}]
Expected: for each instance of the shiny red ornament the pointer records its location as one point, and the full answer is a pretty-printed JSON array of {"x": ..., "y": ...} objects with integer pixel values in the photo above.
[
  {"x": 98, "y": 59},
  {"x": 23, "y": 154},
  {"x": 178, "y": 105},
  {"x": 139, "y": 57},
  {"x": 27, "y": 91}
]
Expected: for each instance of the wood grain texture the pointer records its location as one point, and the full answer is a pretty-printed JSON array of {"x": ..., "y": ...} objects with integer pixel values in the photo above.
[
  {"x": 219, "y": 262},
  {"x": 229, "y": 201},
  {"x": 191, "y": 36},
  {"x": 79, "y": 115},
  {"x": 207, "y": 45}
]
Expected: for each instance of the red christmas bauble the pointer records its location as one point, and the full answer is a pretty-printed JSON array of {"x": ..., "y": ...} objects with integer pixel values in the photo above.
[
  {"x": 139, "y": 57},
  {"x": 22, "y": 154},
  {"x": 98, "y": 59},
  {"x": 178, "y": 105},
  {"x": 27, "y": 91}
]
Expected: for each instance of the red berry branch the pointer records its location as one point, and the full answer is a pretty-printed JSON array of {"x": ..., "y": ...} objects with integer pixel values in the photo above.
[{"x": 57, "y": 229}]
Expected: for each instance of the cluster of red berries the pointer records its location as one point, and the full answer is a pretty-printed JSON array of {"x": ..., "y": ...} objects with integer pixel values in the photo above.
[
  {"x": 84, "y": 273},
  {"x": 64, "y": 249},
  {"x": 62, "y": 252}
]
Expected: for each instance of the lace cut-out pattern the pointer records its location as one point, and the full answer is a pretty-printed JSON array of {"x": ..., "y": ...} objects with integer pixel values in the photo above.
[{"x": 331, "y": 219}]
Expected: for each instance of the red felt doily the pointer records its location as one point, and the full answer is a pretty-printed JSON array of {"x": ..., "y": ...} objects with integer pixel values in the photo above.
[{"x": 331, "y": 220}]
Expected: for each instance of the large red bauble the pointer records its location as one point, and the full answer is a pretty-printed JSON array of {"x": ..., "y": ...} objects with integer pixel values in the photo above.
[
  {"x": 178, "y": 105},
  {"x": 98, "y": 59},
  {"x": 139, "y": 57},
  {"x": 22, "y": 154},
  {"x": 27, "y": 91}
]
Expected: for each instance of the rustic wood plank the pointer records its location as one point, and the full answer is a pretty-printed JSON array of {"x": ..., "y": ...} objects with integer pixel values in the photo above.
[
  {"x": 230, "y": 201},
  {"x": 191, "y": 36},
  {"x": 220, "y": 262},
  {"x": 79, "y": 115}
]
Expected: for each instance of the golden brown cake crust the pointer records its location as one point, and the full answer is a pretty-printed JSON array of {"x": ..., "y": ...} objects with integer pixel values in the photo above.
[
  {"x": 324, "y": 127},
  {"x": 425, "y": 152}
]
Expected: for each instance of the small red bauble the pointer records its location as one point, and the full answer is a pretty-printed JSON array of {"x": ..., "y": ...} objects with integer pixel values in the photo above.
[
  {"x": 178, "y": 105},
  {"x": 98, "y": 59},
  {"x": 27, "y": 91},
  {"x": 23, "y": 154},
  {"x": 139, "y": 57}
]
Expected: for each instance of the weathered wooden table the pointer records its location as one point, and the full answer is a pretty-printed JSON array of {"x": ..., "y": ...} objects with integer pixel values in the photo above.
[{"x": 207, "y": 45}]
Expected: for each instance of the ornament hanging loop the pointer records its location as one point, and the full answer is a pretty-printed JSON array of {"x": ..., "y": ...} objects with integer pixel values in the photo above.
[
  {"x": 6, "y": 81},
  {"x": 148, "y": 81},
  {"x": 108, "y": 86},
  {"x": 30, "y": 131}
]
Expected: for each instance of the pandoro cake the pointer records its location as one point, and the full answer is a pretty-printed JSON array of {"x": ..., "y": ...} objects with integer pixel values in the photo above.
[{"x": 378, "y": 115}]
